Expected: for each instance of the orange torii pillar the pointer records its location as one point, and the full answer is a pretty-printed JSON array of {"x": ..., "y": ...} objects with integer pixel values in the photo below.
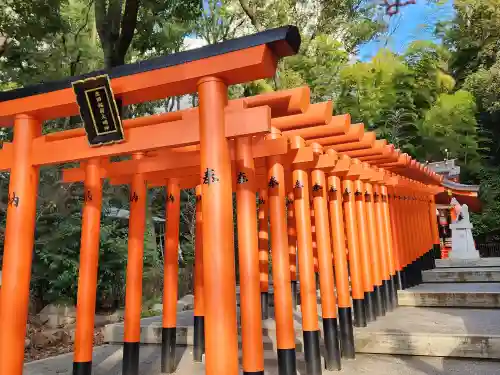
[
  {"x": 383, "y": 248},
  {"x": 424, "y": 205},
  {"x": 133, "y": 280},
  {"x": 199, "y": 312},
  {"x": 327, "y": 285},
  {"x": 365, "y": 253},
  {"x": 405, "y": 249},
  {"x": 411, "y": 274},
  {"x": 434, "y": 228},
  {"x": 283, "y": 310},
  {"x": 340, "y": 260},
  {"x": 18, "y": 247},
  {"x": 308, "y": 299},
  {"x": 417, "y": 237},
  {"x": 292, "y": 245},
  {"x": 264, "y": 253},
  {"x": 314, "y": 246},
  {"x": 355, "y": 266},
  {"x": 221, "y": 335},
  {"x": 373, "y": 235},
  {"x": 263, "y": 221},
  {"x": 428, "y": 231},
  {"x": 87, "y": 277},
  {"x": 396, "y": 236},
  {"x": 389, "y": 243},
  {"x": 419, "y": 244},
  {"x": 251, "y": 322},
  {"x": 170, "y": 276}
]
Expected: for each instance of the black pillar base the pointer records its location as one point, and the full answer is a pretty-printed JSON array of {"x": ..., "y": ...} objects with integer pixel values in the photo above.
[
  {"x": 346, "y": 332},
  {"x": 426, "y": 261},
  {"x": 82, "y": 368},
  {"x": 417, "y": 271},
  {"x": 168, "y": 337},
  {"x": 394, "y": 290},
  {"x": 379, "y": 303},
  {"x": 312, "y": 353},
  {"x": 370, "y": 307},
  {"x": 199, "y": 338},
  {"x": 436, "y": 251},
  {"x": 399, "y": 281},
  {"x": 404, "y": 278},
  {"x": 294, "y": 294},
  {"x": 358, "y": 305},
  {"x": 387, "y": 296},
  {"x": 264, "y": 305},
  {"x": 130, "y": 363},
  {"x": 331, "y": 339},
  {"x": 253, "y": 372},
  {"x": 287, "y": 362}
]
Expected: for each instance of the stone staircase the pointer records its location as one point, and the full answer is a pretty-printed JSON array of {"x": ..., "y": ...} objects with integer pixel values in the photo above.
[{"x": 453, "y": 313}]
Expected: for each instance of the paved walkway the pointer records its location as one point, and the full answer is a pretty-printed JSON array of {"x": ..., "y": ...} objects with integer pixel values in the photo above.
[{"x": 107, "y": 361}]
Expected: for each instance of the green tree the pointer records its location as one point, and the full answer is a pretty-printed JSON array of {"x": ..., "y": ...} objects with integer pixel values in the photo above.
[
  {"x": 318, "y": 66},
  {"x": 51, "y": 39},
  {"x": 369, "y": 91},
  {"x": 451, "y": 124},
  {"x": 472, "y": 36}
]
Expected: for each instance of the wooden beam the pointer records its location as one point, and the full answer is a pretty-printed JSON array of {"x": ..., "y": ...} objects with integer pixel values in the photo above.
[
  {"x": 170, "y": 160},
  {"x": 177, "y": 133}
]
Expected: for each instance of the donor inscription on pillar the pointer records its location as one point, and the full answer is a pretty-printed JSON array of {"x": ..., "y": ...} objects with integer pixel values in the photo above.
[{"x": 98, "y": 110}]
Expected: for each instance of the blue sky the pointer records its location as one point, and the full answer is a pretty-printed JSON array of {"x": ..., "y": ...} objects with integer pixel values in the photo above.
[{"x": 414, "y": 22}]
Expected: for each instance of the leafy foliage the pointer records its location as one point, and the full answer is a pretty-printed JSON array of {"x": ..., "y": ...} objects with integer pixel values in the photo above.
[
  {"x": 430, "y": 98},
  {"x": 473, "y": 36},
  {"x": 488, "y": 220}
]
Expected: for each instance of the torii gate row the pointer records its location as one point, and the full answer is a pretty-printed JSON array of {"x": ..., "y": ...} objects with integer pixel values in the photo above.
[
  {"x": 391, "y": 159},
  {"x": 209, "y": 71},
  {"x": 298, "y": 120},
  {"x": 402, "y": 164},
  {"x": 163, "y": 179},
  {"x": 340, "y": 168},
  {"x": 297, "y": 156},
  {"x": 228, "y": 65},
  {"x": 410, "y": 203},
  {"x": 73, "y": 140}
]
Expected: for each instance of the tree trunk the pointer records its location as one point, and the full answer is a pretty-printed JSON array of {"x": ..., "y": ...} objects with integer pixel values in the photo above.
[
  {"x": 251, "y": 14},
  {"x": 115, "y": 28}
]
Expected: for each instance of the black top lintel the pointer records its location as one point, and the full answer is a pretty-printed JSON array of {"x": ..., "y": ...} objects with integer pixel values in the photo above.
[{"x": 284, "y": 41}]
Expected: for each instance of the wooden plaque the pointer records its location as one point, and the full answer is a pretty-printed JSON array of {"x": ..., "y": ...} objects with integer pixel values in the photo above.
[{"x": 98, "y": 110}]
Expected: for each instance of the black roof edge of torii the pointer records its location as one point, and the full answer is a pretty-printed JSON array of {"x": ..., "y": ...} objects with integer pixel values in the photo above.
[{"x": 284, "y": 41}]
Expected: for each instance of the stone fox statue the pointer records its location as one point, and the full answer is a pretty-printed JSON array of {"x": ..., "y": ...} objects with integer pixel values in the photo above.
[
  {"x": 457, "y": 211},
  {"x": 462, "y": 242}
]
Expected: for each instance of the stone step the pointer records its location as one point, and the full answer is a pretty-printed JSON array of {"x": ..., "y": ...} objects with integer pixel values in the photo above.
[
  {"x": 462, "y": 263},
  {"x": 471, "y": 295},
  {"x": 462, "y": 275},
  {"x": 468, "y": 333},
  {"x": 107, "y": 360},
  {"x": 442, "y": 332}
]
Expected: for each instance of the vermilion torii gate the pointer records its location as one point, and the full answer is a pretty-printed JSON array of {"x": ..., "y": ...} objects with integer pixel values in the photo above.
[
  {"x": 208, "y": 71},
  {"x": 368, "y": 199},
  {"x": 163, "y": 166},
  {"x": 357, "y": 174}
]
